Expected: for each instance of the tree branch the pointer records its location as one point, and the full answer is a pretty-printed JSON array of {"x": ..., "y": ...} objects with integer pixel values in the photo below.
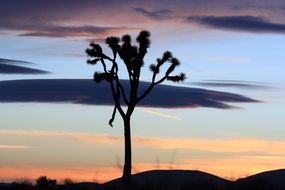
[
  {"x": 115, "y": 68},
  {"x": 161, "y": 80},
  {"x": 116, "y": 77},
  {"x": 122, "y": 90},
  {"x": 148, "y": 89},
  {"x": 113, "y": 116},
  {"x": 145, "y": 93},
  {"x": 104, "y": 65},
  {"x": 116, "y": 98},
  {"x": 153, "y": 83}
]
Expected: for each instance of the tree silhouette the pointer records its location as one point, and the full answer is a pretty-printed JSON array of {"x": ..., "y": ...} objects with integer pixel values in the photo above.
[{"x": 133, "y": 59}]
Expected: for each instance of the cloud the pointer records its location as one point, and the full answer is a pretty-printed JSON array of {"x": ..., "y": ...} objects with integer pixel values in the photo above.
[
  {"x": 159, "y": 114},
  {"x": 231, "y": 146},
  {"x": 160, "y": 14},
  {"x": 244, "y": 146},
  {"x": 13, "y": 69},
  {"x": 13, "y": 62},
  {"x": 57, "y": 19},
  {"x": 85, "y": 91},
  {"x": 239, "y": 23},
  {"x": 78, "y": 136},
  {"x": 252, "y": 6},
  {"x": 248, "y": 85},
  {"x": 73, "y": 31},
  {"x": 8, "y": 66},
  {"x": 39, "y": 29},
  {"x": 13, "y": 147}
]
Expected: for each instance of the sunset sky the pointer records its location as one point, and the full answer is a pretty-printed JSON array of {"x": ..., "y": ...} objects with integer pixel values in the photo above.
[{"x": 231, "y": 51}]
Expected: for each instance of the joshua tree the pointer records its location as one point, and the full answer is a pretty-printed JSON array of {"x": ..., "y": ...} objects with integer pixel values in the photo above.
[{"x": 133, "y": 58}]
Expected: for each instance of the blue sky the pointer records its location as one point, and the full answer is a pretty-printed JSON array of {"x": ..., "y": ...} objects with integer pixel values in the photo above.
[{"x": 221, "y": 42}]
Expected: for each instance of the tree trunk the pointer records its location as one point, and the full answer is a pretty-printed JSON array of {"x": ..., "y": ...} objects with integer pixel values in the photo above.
[{"x": 126, "y": 178}]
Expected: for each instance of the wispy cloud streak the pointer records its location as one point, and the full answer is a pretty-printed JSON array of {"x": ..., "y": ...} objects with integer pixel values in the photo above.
[
  {"x": 13, "y": 147},
  {"x": 239, "y": 23},
  {"x": 50, "y": 30},
  {"x": 13, "y": 62},
  {"x": 159, "y": 114},
  {"x": 9, "y": 66},
  {"x": 248, "y": 85},
  {"x": 242, "y": 146},
  {"x": 62, "y": 30}
]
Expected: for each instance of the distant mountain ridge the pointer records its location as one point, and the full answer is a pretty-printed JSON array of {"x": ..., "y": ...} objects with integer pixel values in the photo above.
[
  {"x": 197, "y": 180},
  {"x": 271, "y": 180},
  {"x": 174, "y": 180}
]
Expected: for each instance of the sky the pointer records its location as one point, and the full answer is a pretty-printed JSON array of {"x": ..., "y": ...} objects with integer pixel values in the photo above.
[{"x": 225, "y": 119}]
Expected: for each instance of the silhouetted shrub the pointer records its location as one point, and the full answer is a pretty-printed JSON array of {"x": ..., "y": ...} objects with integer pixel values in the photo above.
[
  {"x": 51, "y": 182},
  {"x": 22, "y": 184},
  {"x": 45, "y": 182},
  {"x": 68, "y": 181},
  {"x": 42, "y": 181}
]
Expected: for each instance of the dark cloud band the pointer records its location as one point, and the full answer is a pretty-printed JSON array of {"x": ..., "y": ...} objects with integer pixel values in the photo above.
[
  {"x": 13, "y": 62},
  {"x": 233, "y": 84},
  {"x": 53, "y": 18},
  {"x": 239, "y": 23},
  {"x": 83, "y": 91},
  {"x": 53, "y": 30},
  {"x": 14, "y": 69},
  {"x": 9, "y": 66},
  {"x": 73, "y": 31}
]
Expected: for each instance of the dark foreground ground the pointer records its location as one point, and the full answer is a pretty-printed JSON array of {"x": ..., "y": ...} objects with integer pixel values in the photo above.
[{"x": 173, "y": 180}]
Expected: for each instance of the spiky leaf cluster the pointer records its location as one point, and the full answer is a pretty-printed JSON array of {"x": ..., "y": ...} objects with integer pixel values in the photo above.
[
  {"x": 94, "y": 51},
  {"x": 113, "y": 43},
  {"x": 128, "y": 52},
  {"x": 177, "y": 78},
  {"x": 143, "y": 39},
  {"x": 154, "y": 68},
  {"x": 99, "y": 77},
  {"x": 174, "y": 62},
  {"x": 93, "y": 61}
]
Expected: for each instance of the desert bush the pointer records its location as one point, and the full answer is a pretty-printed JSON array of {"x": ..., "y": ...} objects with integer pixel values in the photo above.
[
  {"x": 42, "y": 181},
  {"x": 68, "y": 181},
  {"x": 45, "y": 182},
  {"x": 22, "y": 184}
]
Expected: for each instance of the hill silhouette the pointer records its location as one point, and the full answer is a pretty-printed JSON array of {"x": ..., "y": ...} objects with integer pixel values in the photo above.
[
  {"x": 274, "y": 180},
  {"x": 172, "y": 180},
  {"x": 175, "y": 180}
]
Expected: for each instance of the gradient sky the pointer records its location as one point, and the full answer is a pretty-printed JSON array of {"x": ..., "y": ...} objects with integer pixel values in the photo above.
[{"x": 226, "y": 45}]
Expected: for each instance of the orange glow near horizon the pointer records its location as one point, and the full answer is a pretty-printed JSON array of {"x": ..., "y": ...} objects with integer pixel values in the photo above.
[
  {"x": 227, "y": 158},
  {"x": 99, "y": 175},
  {"x": 228, "y": 168},
  {"x": 230, "y": 145}
]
